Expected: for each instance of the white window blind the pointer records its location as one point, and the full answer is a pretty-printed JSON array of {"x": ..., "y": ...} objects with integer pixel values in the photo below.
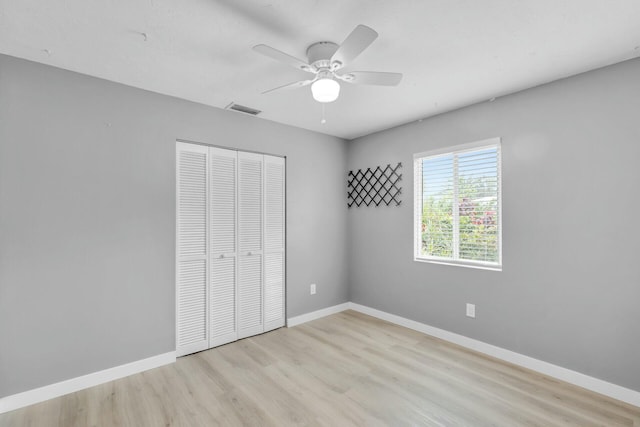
[{"x": 458, "y": 205}]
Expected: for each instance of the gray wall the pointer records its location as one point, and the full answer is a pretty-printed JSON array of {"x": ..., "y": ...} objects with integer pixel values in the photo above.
[
  {"x": 570, "y": 284},
  {"x": 87, "y": 218}
]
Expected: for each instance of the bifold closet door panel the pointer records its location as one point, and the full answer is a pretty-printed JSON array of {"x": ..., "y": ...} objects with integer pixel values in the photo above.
[
  {"x": 230, "y": 271},
  {"x": 250, "y": 244},
  {"x": 192, "y": 255},
  {"x": 223, "y": 218},
  {"x": 250, "y": 296},
  {"x": 274, "y": 242}
]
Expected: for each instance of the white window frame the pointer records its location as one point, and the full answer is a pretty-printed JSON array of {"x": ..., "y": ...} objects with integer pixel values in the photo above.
[{"x": 417, "y": 202}]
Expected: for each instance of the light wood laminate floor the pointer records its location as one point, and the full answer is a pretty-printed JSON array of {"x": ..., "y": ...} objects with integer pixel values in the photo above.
[{"x": 345, "y": 369}]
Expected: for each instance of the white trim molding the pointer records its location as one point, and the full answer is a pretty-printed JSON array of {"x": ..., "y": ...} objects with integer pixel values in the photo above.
[
  {"x": 614, "y": 391},
  {"x": 308, "y": 317},
  {"x": 61, "y": 388}
]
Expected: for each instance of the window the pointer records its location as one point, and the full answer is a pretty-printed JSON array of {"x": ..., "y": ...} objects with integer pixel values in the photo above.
[{"x": 458, "y": 205}]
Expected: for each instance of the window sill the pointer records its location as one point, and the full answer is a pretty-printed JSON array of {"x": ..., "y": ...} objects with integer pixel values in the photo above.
[{"x": 490, "y": 267}]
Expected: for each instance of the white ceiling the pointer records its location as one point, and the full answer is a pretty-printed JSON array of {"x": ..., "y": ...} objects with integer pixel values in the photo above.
[{"x": 452, "y": 52}]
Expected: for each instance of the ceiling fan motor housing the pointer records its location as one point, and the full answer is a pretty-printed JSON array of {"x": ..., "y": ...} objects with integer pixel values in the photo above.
[{"x": 319, "y": 54}]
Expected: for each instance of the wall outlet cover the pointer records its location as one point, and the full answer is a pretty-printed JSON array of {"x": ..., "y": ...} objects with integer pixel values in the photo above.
[
  {"x": 471, "y": 310},
  {"x": 312, "y": 289}
]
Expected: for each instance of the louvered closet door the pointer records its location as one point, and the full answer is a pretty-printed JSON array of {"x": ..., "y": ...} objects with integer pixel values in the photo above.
[
  {"x": 274, "y": 236},
  {"x": 222, "y": 278},
  {"x": 250, "y": 241},
  {"x": 192, "y": 256}
]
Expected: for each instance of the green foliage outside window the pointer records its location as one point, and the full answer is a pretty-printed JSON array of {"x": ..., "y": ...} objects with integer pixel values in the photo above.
[{"x": 477, "y": 219}]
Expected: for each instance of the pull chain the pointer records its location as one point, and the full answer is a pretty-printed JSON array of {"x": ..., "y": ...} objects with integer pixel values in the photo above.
[{"x": 323, "y": 120}]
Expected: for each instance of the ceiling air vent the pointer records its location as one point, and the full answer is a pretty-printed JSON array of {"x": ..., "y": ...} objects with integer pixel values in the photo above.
[{"x": 243, "y": 109}]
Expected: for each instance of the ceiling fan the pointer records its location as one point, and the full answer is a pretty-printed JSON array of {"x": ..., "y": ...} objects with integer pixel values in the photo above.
[{"x": 326, "y": 59}]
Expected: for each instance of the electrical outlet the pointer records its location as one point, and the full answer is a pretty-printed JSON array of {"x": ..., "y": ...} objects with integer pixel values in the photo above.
[
  {"x": 312, "y": 289},
  {"x": 471, "y": 310}
]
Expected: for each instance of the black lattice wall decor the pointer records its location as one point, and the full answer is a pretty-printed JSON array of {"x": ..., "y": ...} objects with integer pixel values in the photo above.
[{"x": 374, "y": 186}]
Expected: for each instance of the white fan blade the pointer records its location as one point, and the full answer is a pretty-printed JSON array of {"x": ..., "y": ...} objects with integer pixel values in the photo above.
[
  {"x": 294, "y": 85},
  {"x": 354, "y": 44},
  {"x": 283, "y": 57},
  {"x": 371, "y": 78}
]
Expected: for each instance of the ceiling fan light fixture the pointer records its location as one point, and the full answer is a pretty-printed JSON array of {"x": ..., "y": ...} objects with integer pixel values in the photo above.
[
  {"x": 325, "y": 90},
  {"x": 325, "y": 59}
]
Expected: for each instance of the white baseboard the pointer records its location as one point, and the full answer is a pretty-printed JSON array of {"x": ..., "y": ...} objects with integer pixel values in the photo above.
[
  {"x": 303, "y": 318},
  {"x": 614, "y": 391},
  {"x": 41, "y": 394}
]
